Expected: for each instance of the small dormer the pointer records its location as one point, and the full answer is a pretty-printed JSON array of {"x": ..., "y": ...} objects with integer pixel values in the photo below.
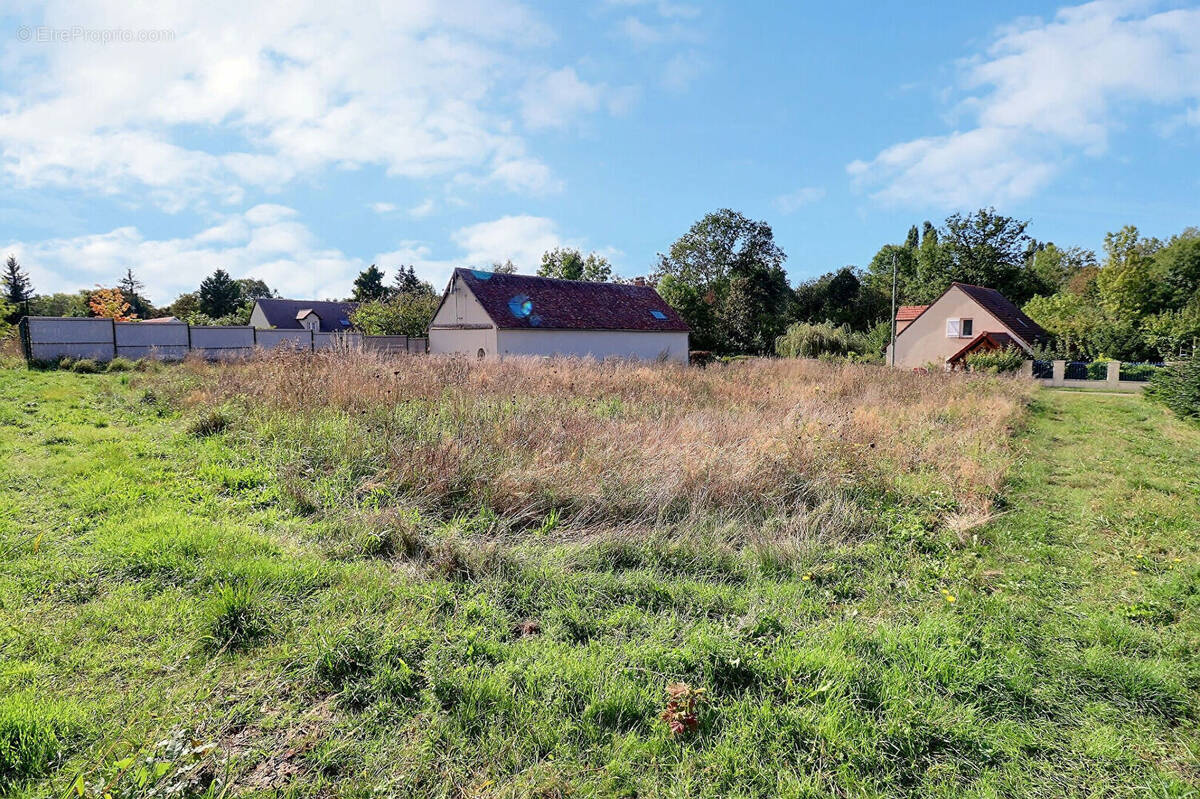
[{"x": 308, "y": 319}]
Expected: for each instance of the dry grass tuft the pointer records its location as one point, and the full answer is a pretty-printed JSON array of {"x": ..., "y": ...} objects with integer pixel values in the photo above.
[{"x": 604, "y": 443}]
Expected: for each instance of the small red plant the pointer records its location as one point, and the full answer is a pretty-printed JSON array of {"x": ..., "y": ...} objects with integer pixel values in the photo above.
[{"x": 682, "y": 701}]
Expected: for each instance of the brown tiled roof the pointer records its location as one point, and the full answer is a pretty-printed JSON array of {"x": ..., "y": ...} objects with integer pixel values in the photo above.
[
  {"x": 999, "y": 341},
  {"x": 1010, "y": 315},
  {"x": 907, "y": 313},
  {"x": 525, "y": 301}
]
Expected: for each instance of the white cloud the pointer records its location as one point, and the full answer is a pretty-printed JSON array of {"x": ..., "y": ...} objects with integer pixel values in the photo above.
[
  {"x": 555, "y": 99},
  {"x": 256, "y": 96},
  {"x": 522, "y": 238},
  {"x": 794, "y": 201},
  {"x": 270, "y": 242},
  {"x": 382, "y": 208},
  {"x": 681, "y": 70},
  {"x": 1042, "y": 92},
  {"x": 422, "y": 209},
  {"x": 265, "y": 242},
  {"x": 664, "y": 8}
]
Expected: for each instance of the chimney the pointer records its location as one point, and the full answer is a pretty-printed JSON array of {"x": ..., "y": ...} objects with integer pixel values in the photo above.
[{"x": 639, "y": 281}]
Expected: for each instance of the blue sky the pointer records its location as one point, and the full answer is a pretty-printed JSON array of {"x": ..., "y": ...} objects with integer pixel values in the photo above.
[{"x": 301, "y": 143}]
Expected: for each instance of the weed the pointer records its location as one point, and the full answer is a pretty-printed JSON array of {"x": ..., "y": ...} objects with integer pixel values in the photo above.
[
  {"x": 29, "y": 746},
  {"x": 209, "y": 422},
  {"x": 86, "y": 366},
  {"x": 239, "y": 618},
  {"x": 120, "y": 364}
]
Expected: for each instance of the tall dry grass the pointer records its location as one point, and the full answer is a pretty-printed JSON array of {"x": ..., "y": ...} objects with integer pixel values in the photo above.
[{"x": 615, "y": 442}]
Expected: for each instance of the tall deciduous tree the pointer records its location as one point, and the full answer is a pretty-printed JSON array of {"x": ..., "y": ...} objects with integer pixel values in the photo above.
[
  {"x": 987, "y": 249},
  {"x": 725, "y": 277},
  {"x": 568, "y": 263},
  {"x": 219, "y": 295},
  {"x": 369, "y": 285},
  {"x": 110, "y": 304}
]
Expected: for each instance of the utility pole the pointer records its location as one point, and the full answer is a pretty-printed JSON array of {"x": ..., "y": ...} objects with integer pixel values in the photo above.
[{"x": 893, "y": 309}]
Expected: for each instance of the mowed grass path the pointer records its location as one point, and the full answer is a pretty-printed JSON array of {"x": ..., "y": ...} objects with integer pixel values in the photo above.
[{"x": 1053, "y": 652}]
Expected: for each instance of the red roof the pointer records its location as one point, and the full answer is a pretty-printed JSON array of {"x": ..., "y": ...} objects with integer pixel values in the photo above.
[
  {"x": 907, "y": 313},
  {"x": 525, "y": 301},
  {"x": 998, "y": 341}
]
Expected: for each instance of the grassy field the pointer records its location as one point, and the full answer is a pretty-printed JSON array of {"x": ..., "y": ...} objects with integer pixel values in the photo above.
[{"x": 304, "y": 578}]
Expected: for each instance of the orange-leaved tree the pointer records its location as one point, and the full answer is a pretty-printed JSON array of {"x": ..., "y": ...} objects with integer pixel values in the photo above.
[{"x": 110, "y": 304}]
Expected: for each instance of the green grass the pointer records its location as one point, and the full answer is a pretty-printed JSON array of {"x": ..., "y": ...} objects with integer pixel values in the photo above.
[{"x": 169, "y": 617}]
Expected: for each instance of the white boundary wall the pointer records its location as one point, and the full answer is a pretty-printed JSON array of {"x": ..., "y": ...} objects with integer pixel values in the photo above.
[
  {"x": 135, "y": 340},
  {"x": 53, "y": 337},
  {"x": 48, "y": 338}
]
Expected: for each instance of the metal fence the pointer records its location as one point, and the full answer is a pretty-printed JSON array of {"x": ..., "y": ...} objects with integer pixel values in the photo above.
[
  {"x": 50, "y": 338},
  {"x": 1107, "y": 375}
]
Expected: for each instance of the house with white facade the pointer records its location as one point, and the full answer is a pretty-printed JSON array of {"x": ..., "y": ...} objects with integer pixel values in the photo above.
[{"x": 489, "y": 314}]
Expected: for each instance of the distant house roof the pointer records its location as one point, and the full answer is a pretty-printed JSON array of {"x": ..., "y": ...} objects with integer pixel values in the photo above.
[
  {"x": 907, "y": 313},
  {"x": 162, "y": 320},
  {"x": 986, "y": 341},
  {"x": 528, "y": 302},
  {"x": 286, "y": 314}
]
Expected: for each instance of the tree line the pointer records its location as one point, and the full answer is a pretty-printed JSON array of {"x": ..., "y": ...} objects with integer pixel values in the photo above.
[{"x": 726, "y": 277}]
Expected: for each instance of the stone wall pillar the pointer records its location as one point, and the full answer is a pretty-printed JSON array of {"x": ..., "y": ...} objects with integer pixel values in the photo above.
[
  {"x": 1027, "y": 369},
  {"x": 1060, "y": 373},
  {"x": 1113, "y": 378}
]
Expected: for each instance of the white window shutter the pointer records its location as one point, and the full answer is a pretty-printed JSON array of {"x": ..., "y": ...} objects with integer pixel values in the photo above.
[{"x": 952, "y": 328}]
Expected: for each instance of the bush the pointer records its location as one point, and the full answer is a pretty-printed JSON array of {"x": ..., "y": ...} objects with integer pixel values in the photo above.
[
  {"x": 120, "y": 364},
  {"x": 996, "y": 361},
  {"x": 85, "y": 366},
  {"x": 803, "y": 340},
  {"x": 210, "y": 422},
  {"x": 1177, "y": 386}
]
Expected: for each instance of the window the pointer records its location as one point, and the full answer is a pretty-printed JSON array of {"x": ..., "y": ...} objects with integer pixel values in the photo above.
[
  {"x": 658, "y": 314},
  {"x": 481, "y": 353},
  {"x": 968, "y": 328},
  {"x": 952, "y": 328}
]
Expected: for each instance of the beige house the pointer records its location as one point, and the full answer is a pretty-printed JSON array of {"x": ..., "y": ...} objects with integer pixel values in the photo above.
[
  {"x": 486, "y": 314},
  {"x": 963, "y": 320}
]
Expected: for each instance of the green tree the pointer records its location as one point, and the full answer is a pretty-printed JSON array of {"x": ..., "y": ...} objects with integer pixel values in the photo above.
[
  {"x": 406, "y": 282},
  {"x": 841, "y": 297},
  {"x": 506, "y": 268},
  {"x": 723, "y": 276},
  {"x": 253, "y": 288},
  {"x": 219, "y": 295},
  {"x": 400, "y": 315},
  {"x": 61, "y": 304},
  {"x": 369, "y": 285},
  {"x": 131, "y": 289},
  {"x": 185, "y": 305},
  {"x": 1053, "y": 268},
  {"x": 567, "y": 263},
  {"x": 987, "y": 249},
  {"x": 1177, "y": 266},
  {"x": 18, "y": 290}
]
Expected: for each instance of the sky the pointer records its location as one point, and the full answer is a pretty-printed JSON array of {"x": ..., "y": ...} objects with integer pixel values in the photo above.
[{"x": 300, "y": 142}]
